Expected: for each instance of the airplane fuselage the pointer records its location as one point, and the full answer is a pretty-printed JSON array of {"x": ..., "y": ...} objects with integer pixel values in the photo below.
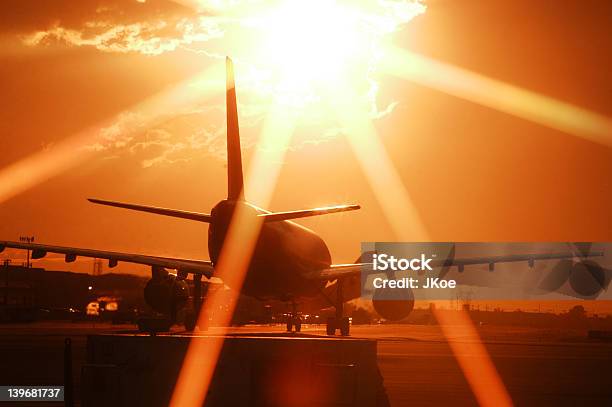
[{"x": 285, "y": 253}]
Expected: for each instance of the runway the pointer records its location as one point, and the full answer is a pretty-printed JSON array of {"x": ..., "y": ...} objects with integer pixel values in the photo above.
[{"x": 538, "y": 367}]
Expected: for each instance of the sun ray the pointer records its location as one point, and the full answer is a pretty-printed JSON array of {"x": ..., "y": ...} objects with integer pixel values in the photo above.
[
  {"x": 498, "y": 95},
  {"x": 383, "y": 178},
  {"x": 403, "y": 216},
  {"x": 202, "y": 355},
  {"x": 76, "y": 149},
  {"x": 473, "y": 358}
]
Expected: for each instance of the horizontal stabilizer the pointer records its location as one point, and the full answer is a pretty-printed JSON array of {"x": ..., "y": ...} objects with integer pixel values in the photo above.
[
  {"x": 278, "y": 216},
  {"x": 197, "y": 216}
]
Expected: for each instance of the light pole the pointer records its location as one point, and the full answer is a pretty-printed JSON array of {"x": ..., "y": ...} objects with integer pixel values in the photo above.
[
  {"x": 6, "y": 280},
  {"x": 27, "y": 239}
]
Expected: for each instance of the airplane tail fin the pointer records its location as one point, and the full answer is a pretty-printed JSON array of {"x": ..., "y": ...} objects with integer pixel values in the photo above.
[{"x": 235, "y": 184}]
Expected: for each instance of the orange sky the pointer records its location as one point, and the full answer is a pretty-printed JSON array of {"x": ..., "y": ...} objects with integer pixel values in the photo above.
[{"x": 475, "y": 174}]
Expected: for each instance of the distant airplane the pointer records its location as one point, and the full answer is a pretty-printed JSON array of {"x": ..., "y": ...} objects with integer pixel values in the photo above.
[{"x": 290, "y": 262}]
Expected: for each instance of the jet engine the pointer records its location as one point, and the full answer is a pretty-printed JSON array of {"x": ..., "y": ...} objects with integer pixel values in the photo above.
[
  {"x": 166, "y": 293},
  {"x": 393, "y": 304},
  {"x": 588, "y": 278},
  {"x": 557, "y": 277}
]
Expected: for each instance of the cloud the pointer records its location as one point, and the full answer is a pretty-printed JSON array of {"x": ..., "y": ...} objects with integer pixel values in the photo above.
[
  {"x": 180, "y": 137},
  {"x": 19, "y": 17},
  {"x": 156, "y": 27},
  {"x": 148, "y": 37}
]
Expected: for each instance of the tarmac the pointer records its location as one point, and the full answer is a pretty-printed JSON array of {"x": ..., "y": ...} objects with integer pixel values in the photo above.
[{"x": 538, "y": 367}]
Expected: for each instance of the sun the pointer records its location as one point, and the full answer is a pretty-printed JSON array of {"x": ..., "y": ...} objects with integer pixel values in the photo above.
[
  {"x": 304, "y": 55},
  {"x": 301, "y": 49},
  {"x": 311, "y": 42}
]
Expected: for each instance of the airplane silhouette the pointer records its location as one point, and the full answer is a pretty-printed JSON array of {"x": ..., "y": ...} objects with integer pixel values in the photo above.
[{"x": 289, "y": 262}]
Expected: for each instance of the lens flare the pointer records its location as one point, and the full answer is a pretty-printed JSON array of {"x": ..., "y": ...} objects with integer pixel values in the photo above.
[
  {"x": 202, "y": 355},
  {"x": 498, "y": 95},
  {"x": 386, "y": 183},
  {"x": 473, "y": 358},
  {"x": 297, "y": 49},
  {"x": 403, "y": 216},
  {"x": 78, "y": 148},
  {"x": 303, "y": 53}
]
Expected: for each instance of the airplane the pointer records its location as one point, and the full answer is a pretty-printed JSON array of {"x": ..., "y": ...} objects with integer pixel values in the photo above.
[{"x": 290, "y": 262}]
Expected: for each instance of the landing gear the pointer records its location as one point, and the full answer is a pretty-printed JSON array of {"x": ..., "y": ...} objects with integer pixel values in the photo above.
[
  {"x": 331, "y": 326},
  {"x": 339, "y": 321},
  {"x": 154, "y": 325},
  {"x": 191, "y": 316},
  {"x": 190, "y": 321},
  {"x": 345, "y": 326},
  {"x": 294, "y": 320},
  {"x": 297, "y": 323}
]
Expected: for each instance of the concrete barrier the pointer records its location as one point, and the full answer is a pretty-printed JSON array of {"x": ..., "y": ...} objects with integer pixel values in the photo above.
[
  {"x": 600, "y": 335},
  {"x": 135, "y": 370}
]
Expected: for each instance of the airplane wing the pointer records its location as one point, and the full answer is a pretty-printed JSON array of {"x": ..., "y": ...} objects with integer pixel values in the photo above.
[
  {"x": 492, "y": 260},
  {"x": 336, "y": 271},
  {"x": 203, "y": 267}
]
